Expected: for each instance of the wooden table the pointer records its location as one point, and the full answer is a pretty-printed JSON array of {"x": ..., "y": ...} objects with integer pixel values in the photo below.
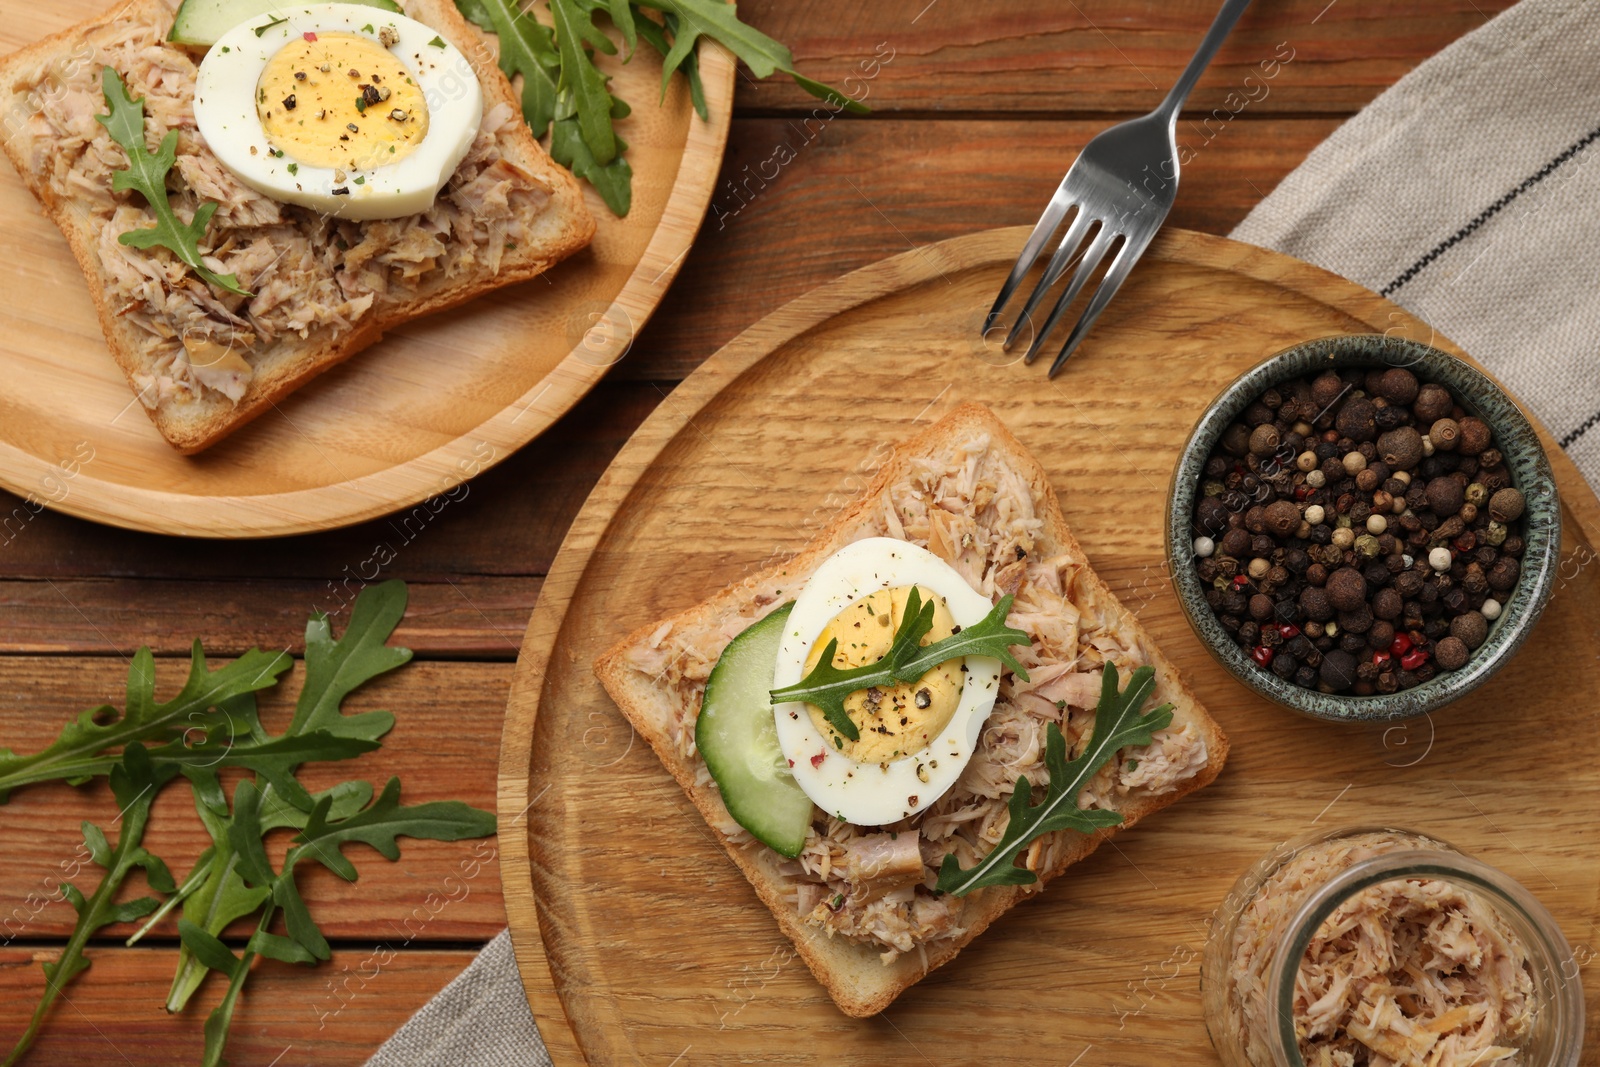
[{"x": 978, "y": 109}]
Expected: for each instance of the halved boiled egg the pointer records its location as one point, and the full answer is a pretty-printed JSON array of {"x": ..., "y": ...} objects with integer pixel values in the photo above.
[
  {"x": 346, "y": 109},
  {"x": 915, "y": 738}
]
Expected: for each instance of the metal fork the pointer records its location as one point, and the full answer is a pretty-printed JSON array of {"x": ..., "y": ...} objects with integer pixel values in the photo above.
[{"x": 1125, "y": 179}]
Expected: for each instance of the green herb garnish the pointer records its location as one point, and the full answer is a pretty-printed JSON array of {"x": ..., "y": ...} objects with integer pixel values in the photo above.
[
  {"x": 234, "y": 877},
  {"x": 265, "y": 26},
  {"x": 147, "y": 174},
  {"x": 1118, "y": 723},
  {"x": 368, "y": 28},
  {"x": 906, "y": 661},
  {"x": 437, "y": 42},
  {"x": 565, "y": 93},
  {"x": 293, "y": 168}
]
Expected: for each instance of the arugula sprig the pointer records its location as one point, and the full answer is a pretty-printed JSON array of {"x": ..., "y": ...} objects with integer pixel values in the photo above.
[
  {"x": 907, "y": 660},
  {"x": 147, "y": 174},
  {"x": 233, "y": 878},
  {"x": 1118, "y": 723},
  {"x": 184, "y": 726},
  {"x": 565, "y": 93},
  {"x": 134, "y": 783}
]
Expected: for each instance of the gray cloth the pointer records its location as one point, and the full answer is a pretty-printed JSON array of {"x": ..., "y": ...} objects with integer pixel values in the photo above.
[
  {"x": 1467, "y": 193},
  {"x": 481, "y": 1019}
]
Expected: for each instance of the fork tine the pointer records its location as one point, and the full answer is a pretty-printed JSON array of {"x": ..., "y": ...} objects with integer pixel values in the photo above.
[
  {"x": 1080, "y": 277},
  {"x": 1053, "y": 214},
  {"x": 1052, "y": 272},
  {"x": 1116, "y": 274}
]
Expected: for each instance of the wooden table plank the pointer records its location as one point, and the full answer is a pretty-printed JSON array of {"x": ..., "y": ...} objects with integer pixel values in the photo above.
[
  {"x": 1099, "y": 55},
  {"x": 470, "y": 617},
  {"x": 443, "y": 747},
  {"x": 289, "y": 1016}
]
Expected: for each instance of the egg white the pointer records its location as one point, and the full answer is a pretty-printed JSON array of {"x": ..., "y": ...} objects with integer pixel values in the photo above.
[
  {"x": 870, "y": 794},
  {"x": 225, "y": 111}
]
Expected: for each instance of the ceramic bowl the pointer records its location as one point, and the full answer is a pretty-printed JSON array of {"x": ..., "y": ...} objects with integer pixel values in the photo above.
[{"x": 1530, "y": 471}]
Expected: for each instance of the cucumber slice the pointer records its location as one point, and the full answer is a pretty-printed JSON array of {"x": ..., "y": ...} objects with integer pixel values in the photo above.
[
  {"x": 201, "y": 22},
  {"x": 737, "y": 739}
]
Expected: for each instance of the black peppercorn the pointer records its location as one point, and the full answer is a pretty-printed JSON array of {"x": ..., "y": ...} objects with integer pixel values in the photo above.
[
  {"x": 1357, "y": 419},
  {"x": 1338, "y": 670},
  {"x": 1327, "y": 388},
  {"x": 1284, "y": 665},
  {"x": 1513, "y": 546},
  {"x": 1236, "y": 439},
  {"x": 1248, "y": 632},
  {"x": 1261, "y": 607},
  {"x": 1306, "y": 677}
]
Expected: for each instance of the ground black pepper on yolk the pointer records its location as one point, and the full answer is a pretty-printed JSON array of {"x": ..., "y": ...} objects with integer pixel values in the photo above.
[{"x": 894, "y": 721}]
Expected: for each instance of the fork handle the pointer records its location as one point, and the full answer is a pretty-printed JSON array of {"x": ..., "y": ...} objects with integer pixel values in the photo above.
[{"x": 1221, "y": 26}]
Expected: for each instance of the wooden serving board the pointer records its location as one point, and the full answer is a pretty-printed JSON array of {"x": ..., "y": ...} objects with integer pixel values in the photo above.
[
  {"x": 658, "y": 950},
  {"x": 429, "y": 406}
]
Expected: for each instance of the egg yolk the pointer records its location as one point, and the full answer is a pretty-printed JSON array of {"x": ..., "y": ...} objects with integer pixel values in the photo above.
[
  {"x": 894, "y": 721},
  {"x": 340, "y": 100}
]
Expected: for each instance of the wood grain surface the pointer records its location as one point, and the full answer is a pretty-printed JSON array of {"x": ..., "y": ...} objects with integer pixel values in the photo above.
[
  {"x": 976, "y": 117},
  {"x": 657, "y": 946},
  {"x": 433, "y": 404}
]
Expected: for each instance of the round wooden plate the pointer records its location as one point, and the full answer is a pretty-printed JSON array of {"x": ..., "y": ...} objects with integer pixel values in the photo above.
[
  {"x": 430, "y": 405},
  {"x": 658, "y": 950}
]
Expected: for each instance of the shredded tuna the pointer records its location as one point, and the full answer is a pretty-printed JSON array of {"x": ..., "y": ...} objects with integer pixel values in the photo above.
[
  {"x": 312, "y": 277},
  {"x": 975, "y": 511},
  {"x": 1409, "y": 971}
]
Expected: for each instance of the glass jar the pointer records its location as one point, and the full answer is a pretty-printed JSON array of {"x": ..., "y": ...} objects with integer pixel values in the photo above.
[{"x": 1261, "y": 935}]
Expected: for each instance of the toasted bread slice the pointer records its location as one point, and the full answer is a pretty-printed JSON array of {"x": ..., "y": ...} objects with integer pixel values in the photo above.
[
  {"x": 642, "y": 674},
  {"x": 49, "y": 93}
]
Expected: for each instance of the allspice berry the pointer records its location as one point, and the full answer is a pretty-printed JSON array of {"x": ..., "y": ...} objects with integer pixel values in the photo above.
[
  {"x": 1445, "y": 497},
  {"x": 1357, "y": 419},
  {"x": 1475, "y": 436},
  {"x": 1444, "y": 434},
  {"x": 1503, "y": 575},
  {"x": 1398, "y": 386},
  {"x": 1470, "y": 628},
  {"x": 1506, "y": 505},
  {"x": 1327, "y": 388},
  {"x": 1388, "y": 604},
  {"x": 1433, "y": 403},
  {"x": 1450, "y": 653},
  {"x": 1282, "y": 517},
  {"x": 1347, "y": 589},
  {"x": 1264, "y": 440},
  {"x": 1315, "y": 603},
  {"x": 1401, "y": 449}
]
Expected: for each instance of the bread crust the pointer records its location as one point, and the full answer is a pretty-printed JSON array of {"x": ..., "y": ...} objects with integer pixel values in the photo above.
[
  {"x": 564, "y": 226},
  {"x": 851, "y": 971}
]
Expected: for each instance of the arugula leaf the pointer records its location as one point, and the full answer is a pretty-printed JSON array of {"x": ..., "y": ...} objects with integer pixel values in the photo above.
[
  {"x": 147, "y": 174},
  {"x": 614, "y": 181},
  {"x": 526, "y": 48},
  {"x": 583, "y": 80},
  {"x": 333, "y": 670},
  {"x": 134, "y": 783},
  {"x": 1117, "y": 725},
  {"x": 907, "y": 660},
  {"x": 655, "y": 34},
  {"x": 763, "y": 55},
  {"x": 75, "y": 756}
]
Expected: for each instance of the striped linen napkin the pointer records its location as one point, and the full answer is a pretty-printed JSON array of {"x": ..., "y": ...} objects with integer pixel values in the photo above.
[{"x": 1467, "y": 193}]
